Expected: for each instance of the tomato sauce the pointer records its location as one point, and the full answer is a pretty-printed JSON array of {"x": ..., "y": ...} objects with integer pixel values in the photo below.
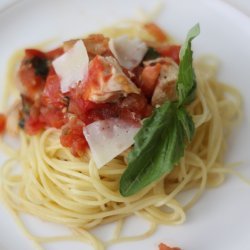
[
  {"x": 163, "y": 246},
  {"x": 172, "y": 51},
  {"x": 44, "y": 105}
]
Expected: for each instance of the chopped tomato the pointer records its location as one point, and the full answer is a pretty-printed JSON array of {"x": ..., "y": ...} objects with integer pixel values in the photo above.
[
  {"x": 137, "y": 105},
  {"x": 97, "y": 70},
  {"x": 32, "y": 84},
  {"x": 149, "y": 78},
  {"x": 52, "y": 117},
  {"x": 172, "y": 51},
  {"x": 53, "y": 103},
  {"x": 33, "y": 72},
  {"x": 34, "y": 53},
  {"x": 72, "y": 137},
  {"x": 76, "y": 105},
  {"x": 136, "y": 77},
  {"x": 101, "y": 111},
  {"x": 2, "y": 123},
  {"x": 89, "y": 111},
  {"x": 33, "y": 124},
  {"x": 165, "y": 247},
  {"x": 52, "y": 94},
  {"x": 156, "y": 32}
]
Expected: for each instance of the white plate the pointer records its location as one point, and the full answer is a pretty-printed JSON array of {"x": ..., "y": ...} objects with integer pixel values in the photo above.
[{"x": 220, "y": 220}]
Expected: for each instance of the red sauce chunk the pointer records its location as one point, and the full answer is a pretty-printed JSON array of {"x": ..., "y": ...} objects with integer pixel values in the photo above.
[
  {"x": 171, "y": 51},
  {"x": 165, "y": 247},
  {"x": 72, "y": 136},
  {"x": 2, "y": 123}
]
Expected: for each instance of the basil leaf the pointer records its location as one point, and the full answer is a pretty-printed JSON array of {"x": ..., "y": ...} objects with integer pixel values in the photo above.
[
  {"x": 186, "y": 82},
  {"x": 159, "y": 145},
  {"x": 187, "y": 123},
  {"x": 21, "y": 123}
]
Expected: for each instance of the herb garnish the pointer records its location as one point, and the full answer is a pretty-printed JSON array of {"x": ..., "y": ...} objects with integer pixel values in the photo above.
[
  {"x": 160, "y": 143},
  {"x": 151, "y": 54},
  {"x": 40, "y": 66}
]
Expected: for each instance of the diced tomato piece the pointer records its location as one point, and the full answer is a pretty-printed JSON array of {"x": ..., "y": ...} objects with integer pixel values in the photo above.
[
  {"x": 79, "y": 146},
  {"x": 34, "y": 53},
  {"x": 156, "y": 32},
  {"x": 33, "y": 124},
  {"x": 72, "y": 137},
  {"x": 97, "y": 70},
  {"x": 76, "y": 106},
  {"x": 52, "y": 94},
  {"x": 89, "y": 111},
  {"x": 52, "y": 117},
  {"x": 172, "y": 51},
  {"x": 134, "y": 107},
  {"x": 102, "y": 112},
  {"x": 32, "y": 84},
  {"x": 2, "y": 123},
  {"x": 136, "y": 78},
  {"x": 33, "y": 72},
  {"x": 149, "y": 78},
  {"x": 135, "y": 103},
  {"x": 165, "y": 247}
]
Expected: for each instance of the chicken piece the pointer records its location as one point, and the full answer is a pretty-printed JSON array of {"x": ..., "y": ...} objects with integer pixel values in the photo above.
[
  {"x": 107, "y": 81},
  {"x": 165, "y": 87},
  {"x": 96, "y": 44}
]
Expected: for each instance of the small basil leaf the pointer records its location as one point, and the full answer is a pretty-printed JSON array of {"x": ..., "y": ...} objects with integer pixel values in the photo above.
[
  {"x": 187, "y": 123},
  {"x": 158, "y": 147},
  {"x": 186, "y": 82}
]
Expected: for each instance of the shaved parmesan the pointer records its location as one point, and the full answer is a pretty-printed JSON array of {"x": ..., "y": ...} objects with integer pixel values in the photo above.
[
  {"x": 72, "y": 66},
  {"x": 128, "y": 52},
  {"x": 108, "y": 138}
]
